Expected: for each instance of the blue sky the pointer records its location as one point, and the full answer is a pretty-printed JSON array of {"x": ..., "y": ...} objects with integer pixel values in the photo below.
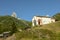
[{"x": 26, "y": 9}]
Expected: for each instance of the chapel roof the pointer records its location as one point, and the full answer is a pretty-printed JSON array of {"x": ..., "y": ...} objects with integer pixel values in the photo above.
[{"x": 44, "y": 16}]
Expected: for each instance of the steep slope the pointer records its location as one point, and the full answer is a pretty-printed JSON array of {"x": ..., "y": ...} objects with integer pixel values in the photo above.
[
  {"x": 46, "y": 32},
  {"x": 6, "y": 23}
]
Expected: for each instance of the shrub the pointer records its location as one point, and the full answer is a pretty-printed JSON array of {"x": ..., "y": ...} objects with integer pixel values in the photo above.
[{"x": 57, "y": 16}]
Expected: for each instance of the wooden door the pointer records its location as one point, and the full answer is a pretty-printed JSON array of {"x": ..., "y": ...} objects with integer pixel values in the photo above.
[{"x": 39, "y": 21}]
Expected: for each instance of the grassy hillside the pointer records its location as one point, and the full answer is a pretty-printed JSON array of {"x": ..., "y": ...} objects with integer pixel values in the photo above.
[
  {"x": 52, "y": 26},
  {"x": 45, "y": 32},
  {"x": 8, "y": 23}
]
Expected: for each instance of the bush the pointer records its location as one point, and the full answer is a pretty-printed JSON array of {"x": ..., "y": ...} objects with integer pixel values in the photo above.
[
  {"x": 7, "y": 23},
  {"x": 57, "y": 16}
]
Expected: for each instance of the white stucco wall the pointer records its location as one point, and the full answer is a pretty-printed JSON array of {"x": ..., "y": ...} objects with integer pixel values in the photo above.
[
  {"x": 33, "y": 22},
  {"x": 46, "y": 20}
]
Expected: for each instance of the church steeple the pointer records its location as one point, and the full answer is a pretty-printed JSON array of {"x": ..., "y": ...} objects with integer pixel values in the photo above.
[{"x": 14, "y": 15}]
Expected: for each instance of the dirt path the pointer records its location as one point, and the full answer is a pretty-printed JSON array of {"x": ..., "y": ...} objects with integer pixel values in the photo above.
[{"x": 9, "y": 38}]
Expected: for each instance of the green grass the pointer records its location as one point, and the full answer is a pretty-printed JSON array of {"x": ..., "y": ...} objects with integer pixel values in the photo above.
[
  {"x": 45, "y": 32},
  {"x": 6, "y": 23}
]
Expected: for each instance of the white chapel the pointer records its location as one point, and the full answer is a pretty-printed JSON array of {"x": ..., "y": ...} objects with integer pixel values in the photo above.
[{"x": 41, "y": 20}]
